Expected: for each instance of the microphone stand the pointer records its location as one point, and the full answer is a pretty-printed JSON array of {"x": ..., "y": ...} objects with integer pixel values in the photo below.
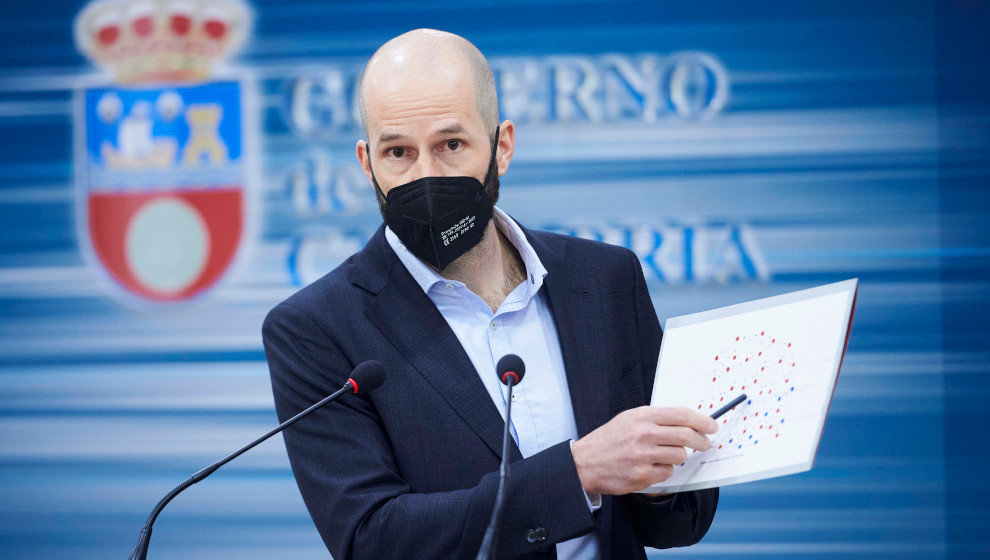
[
  {"x": 144, "y": 538},
  {"x": 488, "y": 544}
]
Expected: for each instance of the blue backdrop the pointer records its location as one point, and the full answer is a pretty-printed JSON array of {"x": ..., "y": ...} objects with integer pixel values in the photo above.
[{"x": 742, "y": 150}]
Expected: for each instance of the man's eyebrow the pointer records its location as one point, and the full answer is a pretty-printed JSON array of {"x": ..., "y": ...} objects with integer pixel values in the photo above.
[
  {"x": 390, "y": 136},
  {"x": 455, "y": 128}
]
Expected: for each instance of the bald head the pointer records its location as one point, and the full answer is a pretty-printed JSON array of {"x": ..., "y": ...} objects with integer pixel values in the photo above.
[{"x": 431, "y": 58}]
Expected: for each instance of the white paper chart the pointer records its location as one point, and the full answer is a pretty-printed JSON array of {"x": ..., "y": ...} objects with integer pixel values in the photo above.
[{"x": 784, "y": 354}]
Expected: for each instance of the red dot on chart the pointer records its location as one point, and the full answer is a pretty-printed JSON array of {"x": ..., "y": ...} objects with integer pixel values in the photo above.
[
  {"x": 787, "y": 380},
  {"x": 788, "y": 344},
  {"x": 721, "y": 399},
  {"x": 711, "y": 406},
  {"x": 737, "y": 338},
  {"x": 772, "y": 341},
  {"x": 761, "y": 392},
  {"x": 762, "y": 368},
  {"x": 747, "y": 359},
  {"x": 754, "y": 381},
  {"x": 778, "y": 435},
  {"x": 744, "y": 417},
  {"x": 699, "y": 407},
  {"x": 731, "y": 388},
  {"x": 716, "y": 358},
  {"x": 713, "y": 379},
  {"x": 778, "y": 410},
  {"x": 744, "y": 431},
  {"x": 733, "y": 357},
  {"x": 760, "y": 354},
  {"x": 743, "y": 387},
  {"x": 780, "y": 361},
  {"x": 792, "y": 365},
  {"x": 724, "y": 421},
  {"x": 761, "y": 333},
  {"x": 761, "y": 426},
  {"x": 726, "y": 369}
]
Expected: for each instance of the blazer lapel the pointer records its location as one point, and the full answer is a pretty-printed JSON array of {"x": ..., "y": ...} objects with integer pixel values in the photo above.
[
  {"x": 579, "y": 317},
  {"x": 412, "y": 323}
]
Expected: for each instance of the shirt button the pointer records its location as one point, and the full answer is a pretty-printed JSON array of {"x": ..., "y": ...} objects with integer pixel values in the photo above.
[
  {"x": 515, "y": 397},
  {"x": 450, "y": 285},
  {"x": 493, "y": 325}
]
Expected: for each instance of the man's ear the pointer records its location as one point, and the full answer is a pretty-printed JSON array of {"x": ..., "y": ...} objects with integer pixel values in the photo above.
[
  {"x": 363, "y": 156},
  {"x": 506, "y": 146}
]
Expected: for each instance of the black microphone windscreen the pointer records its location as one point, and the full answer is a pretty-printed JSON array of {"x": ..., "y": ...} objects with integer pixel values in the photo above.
[
  {"x": 368, "y": 375},
  {"x": 510, "y": 363}
]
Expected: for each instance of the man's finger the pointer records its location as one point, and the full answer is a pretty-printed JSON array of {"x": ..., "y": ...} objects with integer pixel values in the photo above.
[
  {"x": 667, "y": 455},
  {"x": 679, "y": 416},
  {"x": 680, "y": 436},
  {"x": 661, "y": 473}
]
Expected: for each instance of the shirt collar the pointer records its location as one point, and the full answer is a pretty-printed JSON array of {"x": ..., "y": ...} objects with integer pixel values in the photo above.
[{"x": 427, "y": 278}]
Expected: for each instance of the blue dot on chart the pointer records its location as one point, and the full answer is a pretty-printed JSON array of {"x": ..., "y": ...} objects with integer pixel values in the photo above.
[
  {"x": 764, "y": 413},
  {"x": 740, "y": 447},
  {"x": 755, "y": 442},
  {"x": 730, "y": 440},
  {"x": 781, "y": 420},
  {"x": 792, "y": 388},
  {"x": 749, "y": 402},
  {"x": 751, "y": 436},
  {"x": 778, "y": 398}
]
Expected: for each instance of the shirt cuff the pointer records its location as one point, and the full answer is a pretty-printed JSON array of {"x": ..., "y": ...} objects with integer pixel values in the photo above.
[{"x": 594, "y": 501}]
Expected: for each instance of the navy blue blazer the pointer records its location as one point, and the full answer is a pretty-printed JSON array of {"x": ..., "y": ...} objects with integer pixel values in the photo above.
[{"x": 411, "y": 469}]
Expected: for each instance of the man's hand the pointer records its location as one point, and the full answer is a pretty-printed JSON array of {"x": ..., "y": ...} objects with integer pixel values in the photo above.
[{"x": 639, "y": 447}]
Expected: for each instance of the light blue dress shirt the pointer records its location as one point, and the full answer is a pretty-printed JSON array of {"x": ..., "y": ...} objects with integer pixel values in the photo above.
[{"x": 542, "y": 415}]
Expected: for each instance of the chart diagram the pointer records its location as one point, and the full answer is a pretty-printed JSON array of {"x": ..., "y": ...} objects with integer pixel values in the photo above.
[
  {"x": 764, "y": 367},
  {"x": 784, "y": 354}
]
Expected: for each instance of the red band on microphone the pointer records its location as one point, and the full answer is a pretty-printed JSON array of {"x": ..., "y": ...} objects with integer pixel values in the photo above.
[
  {"x": 353, "y": 384},
  {"x": 507, "y": 374}
]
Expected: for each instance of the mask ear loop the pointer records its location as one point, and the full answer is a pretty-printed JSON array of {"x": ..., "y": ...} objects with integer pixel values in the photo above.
[
  {"x": 378, "y": 190},
  {"x": 492, "y": 165}
]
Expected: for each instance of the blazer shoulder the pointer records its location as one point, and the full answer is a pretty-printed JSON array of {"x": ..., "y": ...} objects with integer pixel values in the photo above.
[
  {"x": 596, "y": 253},
  {"x": 333, "y": 291}
]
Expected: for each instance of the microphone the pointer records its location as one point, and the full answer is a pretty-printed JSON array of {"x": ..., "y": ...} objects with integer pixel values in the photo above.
[
  {"x": 367, "y": 375},
  {"x": 511, "y": 370},
  {"x": 510, "y": 366}
]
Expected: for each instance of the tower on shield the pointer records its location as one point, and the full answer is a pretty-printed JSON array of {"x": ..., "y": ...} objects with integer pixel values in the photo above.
[{"x": 164, "y": 151}]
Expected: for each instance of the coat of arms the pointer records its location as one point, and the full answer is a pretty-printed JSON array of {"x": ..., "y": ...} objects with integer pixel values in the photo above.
[{"x": 163, "y": 153}]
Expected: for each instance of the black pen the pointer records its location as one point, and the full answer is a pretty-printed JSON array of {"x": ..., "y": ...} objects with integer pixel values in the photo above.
[{"x": 729, "y": 406}]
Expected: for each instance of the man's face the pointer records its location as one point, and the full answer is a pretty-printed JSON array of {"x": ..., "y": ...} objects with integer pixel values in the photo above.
[{"x": 418, "y": 129}]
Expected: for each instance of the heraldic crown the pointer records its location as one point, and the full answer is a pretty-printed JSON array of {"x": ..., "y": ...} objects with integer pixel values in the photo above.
[{"x": 147, "y": 41}]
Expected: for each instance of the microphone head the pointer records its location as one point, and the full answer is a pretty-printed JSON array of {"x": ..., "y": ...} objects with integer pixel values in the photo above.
[
  {"x": 510, "y": 366},
  {"x": 367, "y": 376}
]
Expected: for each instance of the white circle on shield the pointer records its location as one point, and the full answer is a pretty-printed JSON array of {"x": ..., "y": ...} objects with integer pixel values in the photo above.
[{"x": 167, "y": 245}]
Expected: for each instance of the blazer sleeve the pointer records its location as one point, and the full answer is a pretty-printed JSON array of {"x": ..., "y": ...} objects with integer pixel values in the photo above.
[
  {"x": 363, "y": 508},
  {"x": 685, "y": 518}
]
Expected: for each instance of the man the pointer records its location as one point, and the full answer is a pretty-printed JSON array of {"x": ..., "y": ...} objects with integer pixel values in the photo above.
[{"x": 438, "y": 296}]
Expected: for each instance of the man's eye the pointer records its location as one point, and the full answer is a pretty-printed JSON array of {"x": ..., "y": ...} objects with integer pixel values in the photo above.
[
  {"x": 397, "y": 152},
  {"x": 453, "y": 145}
]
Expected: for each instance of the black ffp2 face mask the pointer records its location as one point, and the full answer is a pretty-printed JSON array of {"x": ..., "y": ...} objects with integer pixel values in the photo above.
[{"x": 440, "y": 218}]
